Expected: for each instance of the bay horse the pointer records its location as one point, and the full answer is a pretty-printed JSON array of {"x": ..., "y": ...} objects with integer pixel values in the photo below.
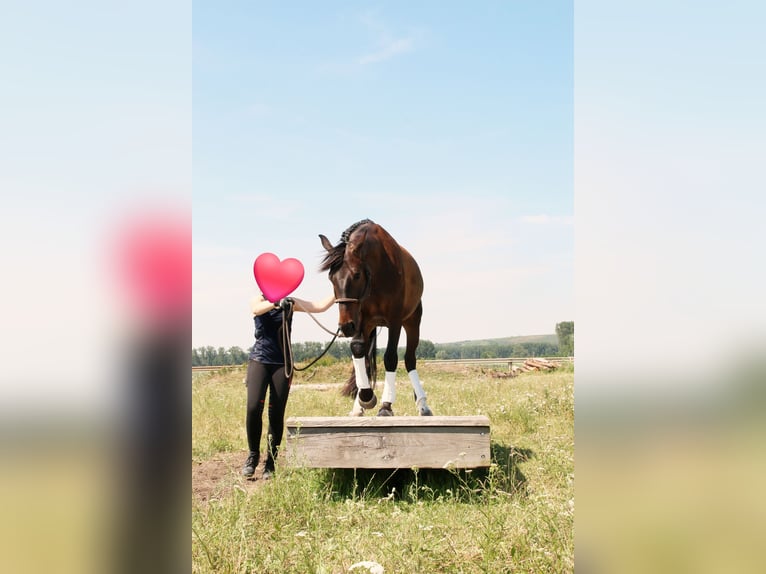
[{"x": 377, "y": 283}]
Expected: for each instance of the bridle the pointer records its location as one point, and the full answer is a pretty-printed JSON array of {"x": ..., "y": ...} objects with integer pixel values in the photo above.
[{"x": 365, "y": 292}]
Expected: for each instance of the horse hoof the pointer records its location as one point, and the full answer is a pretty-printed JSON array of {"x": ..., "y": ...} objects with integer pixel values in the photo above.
[
  {"x": 367, "y": 399},
  {"x": 423, "y": 409},
  {"x": 386, "y": 410}
]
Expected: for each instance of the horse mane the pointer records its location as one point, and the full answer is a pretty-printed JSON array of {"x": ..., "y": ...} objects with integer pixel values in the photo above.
[{"x": 334, "y": 258}]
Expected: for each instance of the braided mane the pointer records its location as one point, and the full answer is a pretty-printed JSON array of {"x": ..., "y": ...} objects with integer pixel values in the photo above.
[{"x": 334, "y": 259}]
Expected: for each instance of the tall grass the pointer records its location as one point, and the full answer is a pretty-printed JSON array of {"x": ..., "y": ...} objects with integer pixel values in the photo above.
[{"x": 516, "y": 516}]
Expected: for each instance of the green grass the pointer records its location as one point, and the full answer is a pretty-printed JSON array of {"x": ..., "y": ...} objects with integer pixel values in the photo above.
[{"x": 516, "y": 516}]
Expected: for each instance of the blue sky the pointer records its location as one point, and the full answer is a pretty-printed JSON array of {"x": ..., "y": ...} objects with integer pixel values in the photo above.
[{"x": 449, "y": 124}]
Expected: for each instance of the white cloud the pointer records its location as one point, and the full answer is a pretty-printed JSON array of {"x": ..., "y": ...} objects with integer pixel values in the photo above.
[
  {"x": 390, "y": 48},
  {"x": 388, "y": 44},
  {"x": 385, "y": 45}
]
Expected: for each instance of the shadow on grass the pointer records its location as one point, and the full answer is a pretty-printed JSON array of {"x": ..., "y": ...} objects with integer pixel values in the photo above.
[
  {"x": 428, "y": 484},
  {"x": 508, "y": 459}
]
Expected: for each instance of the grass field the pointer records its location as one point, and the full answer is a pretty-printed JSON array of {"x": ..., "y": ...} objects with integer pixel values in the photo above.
[{"x": 517, "y": 516}]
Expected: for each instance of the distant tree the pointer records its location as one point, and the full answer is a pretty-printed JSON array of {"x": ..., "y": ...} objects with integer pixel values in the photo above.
[
  {"x": 539, "y": 349},
  {"x": 426, "y": 349},
  {"x": 519, "y": 351},
  {"x": 236, "y": 356},
  {"x": 503, "y": 351},
  {"x": 299, "y": 351},
  {"x": 340, "y": 350},
  {"x": 447, "y": 352},
  {"x": 474, "y": 351},
  {"x": 490, "y": 352},
  {"x": 565, "y": 334},
  {"x": 307, "y": 351}
]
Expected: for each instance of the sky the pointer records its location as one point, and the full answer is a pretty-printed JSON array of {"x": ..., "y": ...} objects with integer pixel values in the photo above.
[
  {"x": 95, "y": 130},
  {"x": 669, "y": 134},
  {"x": 476, "y": 135},
  {"x": 451, "y": 125}
]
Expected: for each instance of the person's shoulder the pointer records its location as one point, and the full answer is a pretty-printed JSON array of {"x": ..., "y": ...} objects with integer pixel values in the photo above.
[{"x": 258, "y": 298}]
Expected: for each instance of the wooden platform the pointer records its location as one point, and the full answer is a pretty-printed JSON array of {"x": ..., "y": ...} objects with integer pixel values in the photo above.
[{"x": 388, "y": 442}]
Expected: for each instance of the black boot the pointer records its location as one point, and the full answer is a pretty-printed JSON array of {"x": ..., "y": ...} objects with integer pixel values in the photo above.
[
  {"x": 271, "y": 457},
  {"x": 269, "y": 468},
  {"x": 252, "y": 461}
]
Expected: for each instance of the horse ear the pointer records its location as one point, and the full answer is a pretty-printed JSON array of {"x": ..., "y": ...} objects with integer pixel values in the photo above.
[{"x": 325, "y": 242}]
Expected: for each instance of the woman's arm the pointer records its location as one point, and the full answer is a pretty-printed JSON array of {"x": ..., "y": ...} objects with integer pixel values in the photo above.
[
  {"x": 260, "y": 305},
  {"x": 313, "y": 306}
]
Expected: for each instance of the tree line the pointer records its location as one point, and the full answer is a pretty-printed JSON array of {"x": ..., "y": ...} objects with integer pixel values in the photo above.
[{"x": 560, "y": 346}]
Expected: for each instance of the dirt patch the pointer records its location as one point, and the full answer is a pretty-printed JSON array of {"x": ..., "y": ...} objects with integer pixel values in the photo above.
[{"x": 217, "y": 477}]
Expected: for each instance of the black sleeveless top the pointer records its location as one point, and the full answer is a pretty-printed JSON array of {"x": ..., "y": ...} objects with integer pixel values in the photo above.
[{"x": 269, "y": 338}]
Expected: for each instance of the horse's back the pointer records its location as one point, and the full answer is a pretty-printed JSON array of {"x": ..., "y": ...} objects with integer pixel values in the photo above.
[{"x": 412, "y": 278}]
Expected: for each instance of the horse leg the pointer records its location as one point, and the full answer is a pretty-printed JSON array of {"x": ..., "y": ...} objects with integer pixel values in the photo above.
[
  {"x": 412, "y": 328},
  {"x": 362, "y": 382},
  {"x": 356, "y": 410},
  {"x": 390, "y": 360},
  {"x": 365, "y": 397}
]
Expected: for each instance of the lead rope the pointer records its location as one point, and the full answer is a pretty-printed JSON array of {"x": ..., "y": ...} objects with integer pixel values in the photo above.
[{"x": 288, "y": 346}]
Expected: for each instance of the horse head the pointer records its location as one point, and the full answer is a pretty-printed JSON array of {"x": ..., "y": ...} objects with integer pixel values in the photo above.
[{"x": 350, "y": 277}]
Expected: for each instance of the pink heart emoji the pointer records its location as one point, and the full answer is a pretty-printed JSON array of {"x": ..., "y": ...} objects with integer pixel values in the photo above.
[{"x": 277, "y": 279}]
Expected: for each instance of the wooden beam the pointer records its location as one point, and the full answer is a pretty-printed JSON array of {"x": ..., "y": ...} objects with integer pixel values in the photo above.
[{"x": 388, "y": 442}]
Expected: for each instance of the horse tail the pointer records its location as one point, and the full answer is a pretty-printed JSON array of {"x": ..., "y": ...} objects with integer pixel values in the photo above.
[
  {"x": 349, "y": 389},
  {"x": 372, "y": 359},
  {"x": 371, "y": 365}
]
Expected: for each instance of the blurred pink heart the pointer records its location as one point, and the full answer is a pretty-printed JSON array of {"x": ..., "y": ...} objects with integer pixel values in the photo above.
[{"x": 277, "y": 279}]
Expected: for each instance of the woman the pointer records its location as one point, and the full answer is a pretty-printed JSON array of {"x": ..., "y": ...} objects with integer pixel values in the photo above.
[{"x": 267, "y": 368}]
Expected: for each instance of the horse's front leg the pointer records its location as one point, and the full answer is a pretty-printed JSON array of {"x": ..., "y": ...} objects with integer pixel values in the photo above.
[
  {"x": 365, "y": 397},
  {"x": 390, "y": 360},
  {"x": 412, "y": 328}
]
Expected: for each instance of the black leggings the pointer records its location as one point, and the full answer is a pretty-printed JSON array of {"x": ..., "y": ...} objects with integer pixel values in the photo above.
[{"x": 259, "y": 377}]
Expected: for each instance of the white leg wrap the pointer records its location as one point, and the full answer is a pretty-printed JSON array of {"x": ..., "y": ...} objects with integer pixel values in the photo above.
[
  {"x": 389, "y": 391},
  {"x": 416, "y": 385},
  {"x": 362, "y": 382}
]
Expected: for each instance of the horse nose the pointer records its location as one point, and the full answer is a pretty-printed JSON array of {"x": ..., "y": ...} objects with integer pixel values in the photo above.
[{"x": 347, "y": 329}]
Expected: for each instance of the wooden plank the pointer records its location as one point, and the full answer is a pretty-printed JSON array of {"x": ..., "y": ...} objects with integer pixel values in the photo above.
[
  {"x": 396, "y": 421},
  {"x": 540, "y": 363},
  {"x": 388, "y": 442}
]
